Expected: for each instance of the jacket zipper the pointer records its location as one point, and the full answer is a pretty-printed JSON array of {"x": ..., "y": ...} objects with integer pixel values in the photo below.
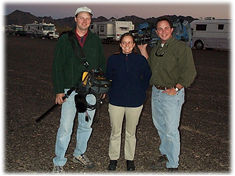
[{"x": 126, "y": 60}]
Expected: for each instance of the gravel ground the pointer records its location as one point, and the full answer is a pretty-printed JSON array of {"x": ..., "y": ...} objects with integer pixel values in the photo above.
[{"x": 29, "y": 146}]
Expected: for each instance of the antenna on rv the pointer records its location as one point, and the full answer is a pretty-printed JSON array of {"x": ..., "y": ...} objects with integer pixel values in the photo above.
[{"x": 209, "y": 18}]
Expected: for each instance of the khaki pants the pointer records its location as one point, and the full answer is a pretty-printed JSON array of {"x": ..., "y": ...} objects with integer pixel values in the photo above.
[{"x": 116, "y": 114}]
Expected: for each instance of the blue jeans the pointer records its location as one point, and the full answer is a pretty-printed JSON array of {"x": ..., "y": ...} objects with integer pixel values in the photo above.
[
  {"x": 84, "y": 129},
  {"x": 166, "y": 111}
]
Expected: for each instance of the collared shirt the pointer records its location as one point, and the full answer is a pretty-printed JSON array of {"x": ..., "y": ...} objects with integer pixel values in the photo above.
[
  {"x": 82, "y": 39},
  {"x": 171, "y": 64}
]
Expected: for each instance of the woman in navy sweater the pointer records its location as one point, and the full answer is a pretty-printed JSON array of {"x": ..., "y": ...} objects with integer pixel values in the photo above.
[{"x": 130, "y": 74}]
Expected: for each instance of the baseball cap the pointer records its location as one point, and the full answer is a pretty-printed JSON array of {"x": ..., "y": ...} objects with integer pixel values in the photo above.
[{"x": 83, "y": 9}]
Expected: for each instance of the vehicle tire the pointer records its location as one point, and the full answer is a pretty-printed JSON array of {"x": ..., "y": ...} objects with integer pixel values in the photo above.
[{"x": 199, "y": 45}]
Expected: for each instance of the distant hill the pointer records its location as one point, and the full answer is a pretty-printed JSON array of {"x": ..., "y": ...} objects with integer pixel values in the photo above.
[{"x": 22, "y": 18}]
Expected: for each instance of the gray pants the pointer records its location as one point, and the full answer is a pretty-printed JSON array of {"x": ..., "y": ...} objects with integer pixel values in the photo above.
[{"x": 116, "y": 114}]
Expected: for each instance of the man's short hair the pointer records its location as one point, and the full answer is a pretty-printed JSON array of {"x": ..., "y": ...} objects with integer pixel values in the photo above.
[{"x": 164, "y": 18}]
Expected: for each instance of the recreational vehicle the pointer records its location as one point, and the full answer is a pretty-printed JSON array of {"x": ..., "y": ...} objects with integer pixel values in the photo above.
[
  {"x": 41, "y": 30},
  {"x": 14, "y": 29},
  {"x": 211, "y": 33},
  {"x": 111, "y": 30}
]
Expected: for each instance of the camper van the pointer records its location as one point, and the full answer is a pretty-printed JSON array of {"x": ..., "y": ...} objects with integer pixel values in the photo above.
[
  {"x": 111, "y": 30},
  {"x": 211, "y": 33},
  {"x": 41, "y": 30}
]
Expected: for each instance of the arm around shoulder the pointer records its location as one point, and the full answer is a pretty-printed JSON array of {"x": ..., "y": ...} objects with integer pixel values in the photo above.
[{"x": 143, "y": 50}]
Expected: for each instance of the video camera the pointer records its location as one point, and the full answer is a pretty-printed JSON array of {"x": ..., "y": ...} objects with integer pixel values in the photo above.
[
  {"x": 144, "y": 34},
  {"x": 93, "y": 85},
  {"x": 89, "y": 93},
  {"x": 141, "y": 37}
]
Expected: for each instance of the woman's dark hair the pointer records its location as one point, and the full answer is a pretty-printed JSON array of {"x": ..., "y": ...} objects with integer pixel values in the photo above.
[
  {"x": 127, "y": 34},
  {"x": 164, "y": 18}
]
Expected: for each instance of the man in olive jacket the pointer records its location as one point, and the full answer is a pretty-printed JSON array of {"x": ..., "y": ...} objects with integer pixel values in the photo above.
[
  {"x": 173, "y": 70},
  {"x": 67, "y": 70}
]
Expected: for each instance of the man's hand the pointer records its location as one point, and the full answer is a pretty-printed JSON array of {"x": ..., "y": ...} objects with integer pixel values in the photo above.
[
  {"x": 171, "y": 91},
  {"x": 143, "y": 50},
  {"x": 102, "y": 96},
  {"x": 59, "y": 98},
  {"x": 142, "y": 47}
]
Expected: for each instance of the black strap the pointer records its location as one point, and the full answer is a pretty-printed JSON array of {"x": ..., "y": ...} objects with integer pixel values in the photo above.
[{"x": 73, "y": 39}]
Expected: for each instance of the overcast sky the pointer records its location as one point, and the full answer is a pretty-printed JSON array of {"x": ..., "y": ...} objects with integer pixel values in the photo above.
[{"x": 148, "y": 9}]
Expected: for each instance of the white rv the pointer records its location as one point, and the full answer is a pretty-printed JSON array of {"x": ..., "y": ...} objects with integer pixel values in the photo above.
[
  {"x": 211, "y": 33},
  {"x": 41, "y": 30},
  {"x": 111, "y": 30}
]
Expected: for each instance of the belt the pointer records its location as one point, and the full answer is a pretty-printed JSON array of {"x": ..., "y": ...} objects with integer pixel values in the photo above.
[{"x": 162, "y": 87}]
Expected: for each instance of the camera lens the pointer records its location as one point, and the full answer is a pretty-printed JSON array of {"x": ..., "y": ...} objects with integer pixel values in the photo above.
[{"x": 91, "y": 99}]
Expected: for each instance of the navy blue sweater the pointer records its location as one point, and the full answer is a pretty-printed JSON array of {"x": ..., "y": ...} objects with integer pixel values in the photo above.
[{"x": 130, "y": 74}]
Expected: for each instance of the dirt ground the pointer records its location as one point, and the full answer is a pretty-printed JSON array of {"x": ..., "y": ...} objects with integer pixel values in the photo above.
[{"x": 29, "y": 146}]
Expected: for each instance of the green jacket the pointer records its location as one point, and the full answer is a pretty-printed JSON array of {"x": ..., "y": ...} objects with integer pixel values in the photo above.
[
  {"x": 68, "y": 68},
  {"x": 171, "y": 64}
]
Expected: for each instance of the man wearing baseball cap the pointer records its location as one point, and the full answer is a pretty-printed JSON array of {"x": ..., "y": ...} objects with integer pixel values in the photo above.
[
  {"x": 67, "y": 71},
  {"x": 83, "y": 9}
]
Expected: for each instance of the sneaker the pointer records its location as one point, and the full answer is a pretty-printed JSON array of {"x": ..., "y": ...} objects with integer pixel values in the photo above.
[
  {"x": 130, "y": 166},
  {"x": 58, "y": 169},
  {"x": 112, "y": 165},
  {"x": 83, "y": 159}
]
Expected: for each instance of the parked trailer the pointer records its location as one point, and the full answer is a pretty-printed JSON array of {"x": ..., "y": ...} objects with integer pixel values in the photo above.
[
  {"x": 14, "y": 29},
  {"x": 211, "y": 33},
  {"x": 111, "y": 30},
  {"x": 41, "y": 30}
]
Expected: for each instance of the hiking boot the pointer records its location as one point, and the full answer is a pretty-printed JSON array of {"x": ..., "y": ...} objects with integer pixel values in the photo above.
[
  {"x": 112, "y": 165},
  {"x": 58, "y": 169},
  {"x": 83, "y": 159},
  {"x": 172, "y": 169},
  {"x": 162, "y": 158},
  {"x": 130, "y": 166},
  {"x": 159, "y": 164}
]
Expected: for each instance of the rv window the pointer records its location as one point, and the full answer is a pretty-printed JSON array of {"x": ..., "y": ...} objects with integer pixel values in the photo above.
[
  {"x": 201, "y": 27},
  {"x": 101, "y": 28},
  {"x": 48, "y": 27},
  {"x": 124, "y": 28},
  {"x": 220, "y": 27}
]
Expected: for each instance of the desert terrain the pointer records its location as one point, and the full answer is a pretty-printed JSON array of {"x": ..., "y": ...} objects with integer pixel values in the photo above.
[{"x": 29, "y": 147}]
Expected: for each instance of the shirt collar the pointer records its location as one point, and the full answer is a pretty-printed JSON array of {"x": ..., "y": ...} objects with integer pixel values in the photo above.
[
  {"x": 82, "y": 36},
  {"x": 170, "y": 40},
  {"x": 82, "y": 39}
]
